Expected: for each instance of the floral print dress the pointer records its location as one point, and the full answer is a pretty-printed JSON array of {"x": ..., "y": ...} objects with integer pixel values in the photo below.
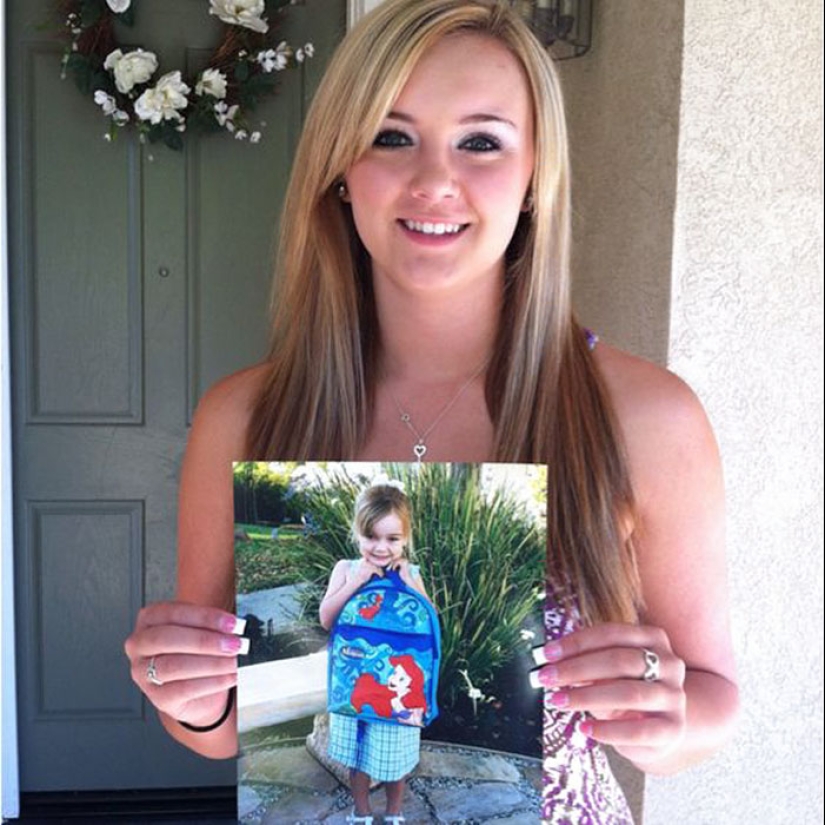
[{"x": 579, "y": 787}]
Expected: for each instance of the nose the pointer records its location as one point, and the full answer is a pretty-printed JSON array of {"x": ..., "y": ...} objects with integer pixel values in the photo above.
[{"x": 433, "y": 179}]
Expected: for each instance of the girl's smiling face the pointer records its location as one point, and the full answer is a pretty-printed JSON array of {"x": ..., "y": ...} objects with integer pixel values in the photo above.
[
  {"x": 437, "y": 197},
  {"x": 385, "y": 543}
]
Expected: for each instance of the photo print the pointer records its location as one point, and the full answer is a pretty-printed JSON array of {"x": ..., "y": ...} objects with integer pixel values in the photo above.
[{"x": 392, "y": 609}]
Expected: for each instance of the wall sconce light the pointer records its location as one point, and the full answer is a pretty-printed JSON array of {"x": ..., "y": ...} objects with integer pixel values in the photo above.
[{"x": 563, "y": 26}]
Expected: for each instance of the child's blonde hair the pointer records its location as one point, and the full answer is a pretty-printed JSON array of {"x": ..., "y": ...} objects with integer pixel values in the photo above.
[{"x": 376, "y": 502}]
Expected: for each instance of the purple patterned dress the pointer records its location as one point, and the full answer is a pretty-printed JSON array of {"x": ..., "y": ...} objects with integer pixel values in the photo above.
[{"x": 579, "y": 786}]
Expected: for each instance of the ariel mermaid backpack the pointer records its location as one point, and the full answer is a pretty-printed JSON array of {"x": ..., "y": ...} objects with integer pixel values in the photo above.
[{"x": 384, "y": 653}]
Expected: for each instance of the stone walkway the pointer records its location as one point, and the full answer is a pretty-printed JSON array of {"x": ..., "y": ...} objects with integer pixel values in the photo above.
[{"x": 452, "y": 785}]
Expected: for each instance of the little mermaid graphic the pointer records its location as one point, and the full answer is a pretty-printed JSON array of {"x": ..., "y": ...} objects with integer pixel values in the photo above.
[
  {"x": 401, "y": 698},
  {"x": 371, "y": 610}
]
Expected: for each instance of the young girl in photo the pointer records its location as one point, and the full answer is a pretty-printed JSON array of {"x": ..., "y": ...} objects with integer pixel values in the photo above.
[{"x": 385, "y": 752}]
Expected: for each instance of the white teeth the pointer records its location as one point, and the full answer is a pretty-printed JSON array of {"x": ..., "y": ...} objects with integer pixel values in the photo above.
[{"x": 434, "y": 228}]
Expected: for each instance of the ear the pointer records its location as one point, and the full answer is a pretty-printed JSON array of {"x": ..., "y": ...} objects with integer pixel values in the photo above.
[{"x": 343, "y": 192}]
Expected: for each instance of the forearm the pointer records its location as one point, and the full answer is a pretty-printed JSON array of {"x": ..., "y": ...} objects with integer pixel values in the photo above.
[
  {"x": 712, "y": 708},
  {"x": 332, "y": 605},
  {"x": 221, "y": 743}
]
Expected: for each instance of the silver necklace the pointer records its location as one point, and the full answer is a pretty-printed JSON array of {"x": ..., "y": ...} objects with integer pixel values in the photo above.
[{"x": 420, "y": 446}]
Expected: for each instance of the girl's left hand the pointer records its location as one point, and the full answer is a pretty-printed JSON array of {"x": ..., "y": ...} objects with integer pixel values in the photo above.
[
  {"x": 638, "y": 708},
  {"x": 402, "y": 567}
]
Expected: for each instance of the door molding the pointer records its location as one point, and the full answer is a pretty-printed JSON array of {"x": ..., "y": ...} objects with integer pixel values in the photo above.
[
  {"x": 356, "y": 9},
  {"x": 10, "y": 781}
]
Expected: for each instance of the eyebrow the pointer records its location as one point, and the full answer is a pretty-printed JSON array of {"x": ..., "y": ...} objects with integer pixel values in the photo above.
[{"x": 481, "y": 117}]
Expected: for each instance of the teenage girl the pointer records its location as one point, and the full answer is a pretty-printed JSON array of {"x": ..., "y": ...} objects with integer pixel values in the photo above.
[{"x": 385, "y": 752}]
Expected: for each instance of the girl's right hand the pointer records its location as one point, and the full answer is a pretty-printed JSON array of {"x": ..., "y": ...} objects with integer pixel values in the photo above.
[
  {"x": 365, "y": 570},
  {"x": 194, "y": 650}
]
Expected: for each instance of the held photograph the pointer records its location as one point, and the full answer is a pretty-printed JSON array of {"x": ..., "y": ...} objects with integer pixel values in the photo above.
[{"x": 392, "y": 611}]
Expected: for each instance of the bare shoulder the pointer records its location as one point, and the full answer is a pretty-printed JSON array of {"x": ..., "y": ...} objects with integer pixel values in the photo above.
[
  {"x": 640, "y": 388},
  {"x": 663, "y": 423},
  {"x": 225, "y": 409}
]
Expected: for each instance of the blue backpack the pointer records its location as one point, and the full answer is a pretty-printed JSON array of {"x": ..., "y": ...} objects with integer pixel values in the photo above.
[{"x": 384, "y": 654}]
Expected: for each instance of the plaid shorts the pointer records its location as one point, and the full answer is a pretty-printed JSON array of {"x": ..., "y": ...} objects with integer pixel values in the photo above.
[{"x": 386, "y": 752}]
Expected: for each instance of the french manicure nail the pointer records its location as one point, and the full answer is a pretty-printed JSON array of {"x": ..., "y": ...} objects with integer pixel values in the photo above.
[
  {"x": 235, "y": 644},
  {"x": 535, "y": 680},
  {"x": 551, "y": 652},
  {"x": 560, "y": 700},
  {"x": 234, "y": 625}
]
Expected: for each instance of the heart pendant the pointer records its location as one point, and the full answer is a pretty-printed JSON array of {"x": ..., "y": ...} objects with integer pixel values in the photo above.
[{"x": 419, "y": 450}]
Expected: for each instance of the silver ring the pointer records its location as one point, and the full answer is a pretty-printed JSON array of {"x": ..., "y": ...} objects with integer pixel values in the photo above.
[
  {"x": 152, "y": 673},
  {"x": 652, "y": 670}
]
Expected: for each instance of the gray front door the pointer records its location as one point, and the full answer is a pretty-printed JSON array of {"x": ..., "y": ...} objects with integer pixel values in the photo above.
[{"x": 138, "y": 277}]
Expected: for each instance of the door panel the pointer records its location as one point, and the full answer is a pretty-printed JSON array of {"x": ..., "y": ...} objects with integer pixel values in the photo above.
[
  {"x": 138, "y": 277},
  {"x": 83, "y": 295}
]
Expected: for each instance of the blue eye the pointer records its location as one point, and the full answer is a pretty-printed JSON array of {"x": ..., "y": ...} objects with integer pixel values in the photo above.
[
  {"x": 481, "y": 143},
  {"x": 391, "y": 139}
]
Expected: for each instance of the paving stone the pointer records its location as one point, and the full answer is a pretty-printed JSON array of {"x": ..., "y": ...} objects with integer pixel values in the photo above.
[
  {"x": 521, "y": 818},
  {"x": 475, "y": 767},
  {"x": 485, "y": 800},
  {"x": 293, "y": 766},
  {"x": 298, "y": 806},
  {"x": 533, "y": 774},
  {"x": 248, "y": 800}
]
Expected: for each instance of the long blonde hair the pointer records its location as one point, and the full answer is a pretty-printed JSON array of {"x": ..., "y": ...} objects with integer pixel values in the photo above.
[{"x": 543, "y": 393}]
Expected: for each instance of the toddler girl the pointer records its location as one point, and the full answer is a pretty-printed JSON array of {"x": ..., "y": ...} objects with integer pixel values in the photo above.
[{"x": 385, "y": 752}]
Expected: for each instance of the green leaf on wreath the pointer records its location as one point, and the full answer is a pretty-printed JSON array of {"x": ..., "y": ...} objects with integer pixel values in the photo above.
[
  {"x": 127, "y": 17},
  {"x": 91, "y": 11},
  {"x": 174, "y": 140},
  {"x": 166, "y": 132},
  {"x": 242, "y": 71},
  {"x": 202, "y": 117},
  {"x": 82, "y": 71}
]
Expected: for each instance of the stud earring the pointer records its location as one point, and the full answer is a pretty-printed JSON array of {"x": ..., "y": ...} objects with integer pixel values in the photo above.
[
  {"x": 528, "y": 204},
  {"x": 343, "y": 192}
]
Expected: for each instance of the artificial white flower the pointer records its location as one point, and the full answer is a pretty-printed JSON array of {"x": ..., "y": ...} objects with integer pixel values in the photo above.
[
  {"x": 131, "y": 69},
  {"x": 212, "y": 82},
  {"x": 120, "y": 117},
  {"x": 118, "y": 6},
  {"x": 164, "y": 100},
  {"x": 106, "y": 102},
  {"x": 225, "y": 115},
  {"x": 246, "y": 13},
  {"x": 274, "y": 60},
  {"x": 255, "y": 137},
  {"x": 306, "y": 51},
  {"x": 241, "y": 134}
]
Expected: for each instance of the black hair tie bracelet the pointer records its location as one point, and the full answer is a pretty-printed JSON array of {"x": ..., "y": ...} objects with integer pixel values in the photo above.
[{"x": 230, "y": 701}]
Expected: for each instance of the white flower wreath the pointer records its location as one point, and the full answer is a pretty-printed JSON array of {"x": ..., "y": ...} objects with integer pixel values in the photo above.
[{"x": 220, "y": 98}]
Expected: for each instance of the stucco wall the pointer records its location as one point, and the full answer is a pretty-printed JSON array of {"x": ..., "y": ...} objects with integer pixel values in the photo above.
[
  {"x": 622, "y": 102},
  {"x": 747, "y": 333}
]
